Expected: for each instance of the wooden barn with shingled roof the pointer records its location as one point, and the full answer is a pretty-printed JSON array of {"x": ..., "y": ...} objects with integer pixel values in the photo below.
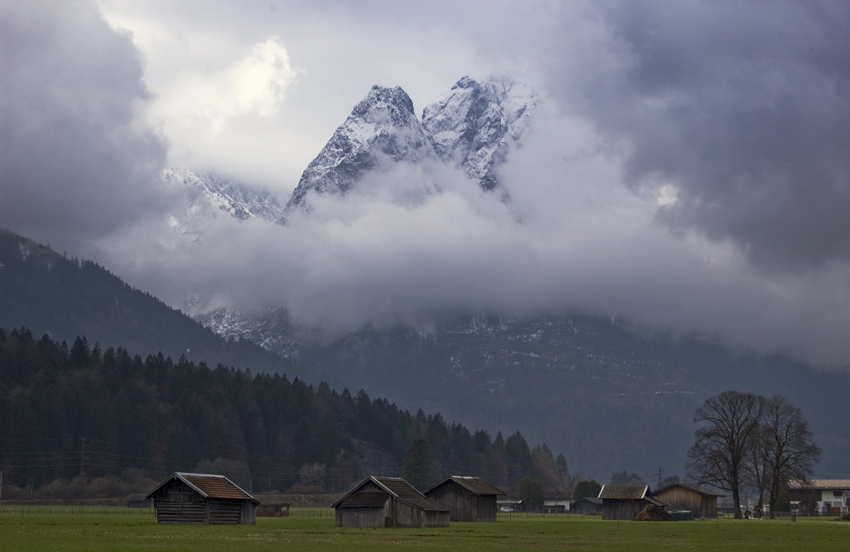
[
  {"x": 202, "y": 499},
  {"x": 467, "y": 498},
  {"x": 388, "y": 502},
  {"x": 701, "y": 502},
  {"x": 626, "y": 501}
]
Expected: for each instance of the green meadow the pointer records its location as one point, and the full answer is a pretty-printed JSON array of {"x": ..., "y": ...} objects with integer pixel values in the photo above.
[{"x": 310, "y": 530}]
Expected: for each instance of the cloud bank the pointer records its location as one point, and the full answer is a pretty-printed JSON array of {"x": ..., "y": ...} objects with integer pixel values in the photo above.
[
  {"x": 689, "y": 173},
  {"x": 412, "y": 244},
  {"x": 76, "y": 159}
]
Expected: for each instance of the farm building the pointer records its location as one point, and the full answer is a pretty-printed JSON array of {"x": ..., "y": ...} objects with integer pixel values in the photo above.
[
  {"x": 827, "y": 497},
  {"x": 467, "y": 498},
  {"x": 587, "y": 506},
  {"x": 626, "y": 501},
  {"x": 557, "y": 503},
  {"x": 202, "y": 499},
  {"x": 388, "y": 502},
  {"x": 701, "y": 502}
]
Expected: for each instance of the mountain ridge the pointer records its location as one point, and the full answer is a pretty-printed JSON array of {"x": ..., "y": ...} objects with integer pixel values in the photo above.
[
  {"x": 471, "y": 127},
  {"x": 607, "y": 396},
  {"x": 67, "y": 297}
]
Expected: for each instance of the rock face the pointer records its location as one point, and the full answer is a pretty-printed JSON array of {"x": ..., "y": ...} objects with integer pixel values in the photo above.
[
  {"x": 223, "y": 194},
  {"x": 383, "y": 125},
  {"x": 472, "y": 126}
]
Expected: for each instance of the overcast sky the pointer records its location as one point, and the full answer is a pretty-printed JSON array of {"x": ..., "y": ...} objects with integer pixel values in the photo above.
[{"x": 688, "y": 169}]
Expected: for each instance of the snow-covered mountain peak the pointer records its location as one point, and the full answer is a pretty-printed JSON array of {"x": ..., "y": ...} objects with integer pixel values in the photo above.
[
  {"x": 472, "y": 124},
  {"x": 472, "y": 127},
  {"x": 384, "y": 103},
  {"x": 383, "y": 124},
  {"x": 210, "y": 194},
  {"x": 239, "y": 200}
]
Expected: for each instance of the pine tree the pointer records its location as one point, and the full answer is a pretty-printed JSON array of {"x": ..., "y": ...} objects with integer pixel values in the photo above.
[{"x": 418, "y": 467}]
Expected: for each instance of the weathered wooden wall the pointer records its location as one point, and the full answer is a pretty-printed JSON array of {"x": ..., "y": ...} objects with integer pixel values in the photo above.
[
  {"x": 680, "y": 498},
  {"x": 464, "y": 504},
  {"x": 405, "y": 515},
  {"x": 486, "y": 508},
  {"x": 361, "y": 517},
  {"x": 177, "y": 503},
  {"x": 224, "y": 512},
  {"x": 625, "y": 509}
]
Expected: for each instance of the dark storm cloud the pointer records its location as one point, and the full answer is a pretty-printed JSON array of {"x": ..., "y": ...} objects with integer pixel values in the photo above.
[
  {"x": 743, "y": 108},
  {"x": 735, "y": 109},
  {"x": 74, "y": 161}
]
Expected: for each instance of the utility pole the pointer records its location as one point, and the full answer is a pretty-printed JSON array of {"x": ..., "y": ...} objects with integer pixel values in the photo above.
[
  {"x": 660, "y": 472},
  {"x": 1, "y": 485}
]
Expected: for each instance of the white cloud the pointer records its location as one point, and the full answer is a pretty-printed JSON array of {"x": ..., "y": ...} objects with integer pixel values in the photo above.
[
  {"x": 411, "y": 243},
  {"x": 201, "y": 104},
  {"x": 695, "y": 176}
]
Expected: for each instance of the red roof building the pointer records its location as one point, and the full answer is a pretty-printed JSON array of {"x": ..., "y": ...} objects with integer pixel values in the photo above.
[{"x": 198, "y": 498}]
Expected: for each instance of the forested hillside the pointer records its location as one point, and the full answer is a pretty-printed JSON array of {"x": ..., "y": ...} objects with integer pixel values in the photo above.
[
  {"x": 67, "y": 297},
  {"x": 80, "y": 410}
]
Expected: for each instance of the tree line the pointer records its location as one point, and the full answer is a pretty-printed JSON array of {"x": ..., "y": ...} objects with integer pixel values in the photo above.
[
  {"x": 82, "y": 411},
  {"x": 749, "y": 441}
]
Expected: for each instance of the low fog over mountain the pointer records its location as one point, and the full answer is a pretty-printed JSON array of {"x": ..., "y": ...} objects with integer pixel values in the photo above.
[{"x": 302, "y": 174}]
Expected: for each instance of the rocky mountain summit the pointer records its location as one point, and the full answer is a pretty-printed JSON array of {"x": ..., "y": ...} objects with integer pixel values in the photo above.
[
  {"x": 472, "y": 127},
  {"x": 210, "y": 194},
  {"x": 239, "y": 200},
  {"x": 474, "y": 124},
  {"x": 382, "y": 125}
]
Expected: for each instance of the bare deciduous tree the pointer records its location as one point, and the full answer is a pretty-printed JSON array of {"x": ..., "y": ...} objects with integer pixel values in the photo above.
[
  {"x": 719, "y": 455},
  {"x": 747, "y": 439},
  {"x": 757, "y": 471},
  {"x": 787, "y": 445}
]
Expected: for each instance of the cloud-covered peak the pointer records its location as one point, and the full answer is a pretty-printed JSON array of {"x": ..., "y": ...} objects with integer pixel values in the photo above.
[
  {"x": 382, "y": 125},
  {"x": 471, "y": 125}
]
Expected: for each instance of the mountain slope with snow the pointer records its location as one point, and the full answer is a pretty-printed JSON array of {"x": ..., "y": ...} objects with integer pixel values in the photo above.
[
  {"x": 472, "y": 127},
  {"x": 383, "y": 125},
  {"x": 474, "y": 124},
  {"x": 240, "y": 201}
]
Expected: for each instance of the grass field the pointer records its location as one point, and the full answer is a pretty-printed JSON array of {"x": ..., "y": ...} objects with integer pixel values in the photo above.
[{"x": 313, "y": 529}]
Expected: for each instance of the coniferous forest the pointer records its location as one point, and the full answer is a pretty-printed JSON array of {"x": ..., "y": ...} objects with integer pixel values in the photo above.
[{"x": 84, "y": 412}]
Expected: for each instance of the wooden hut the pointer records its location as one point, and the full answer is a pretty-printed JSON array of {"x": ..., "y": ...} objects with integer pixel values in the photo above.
[
  {"x": 388, "y": 502},
  {"x": 467, "y": 498},
  {"x": 589, "y": 505},
  {"x": 202, "y": 499},
  {"x": 626, "y": 501},
  {"x": 701, "y": 502}
]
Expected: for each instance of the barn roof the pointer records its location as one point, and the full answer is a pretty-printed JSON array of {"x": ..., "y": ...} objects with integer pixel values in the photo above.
[
  {"x": 208, "y": 486},
  {"x": 475, "y": 485},
  {"x": 820, "y": 484},
  {"x": 591, "y": 499},
  {"x": 363, "y": 500},
  {"x": 622, "y": 492},
  {"x": 395, "y": 487},
  {"x": 695, "y": 488}
]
